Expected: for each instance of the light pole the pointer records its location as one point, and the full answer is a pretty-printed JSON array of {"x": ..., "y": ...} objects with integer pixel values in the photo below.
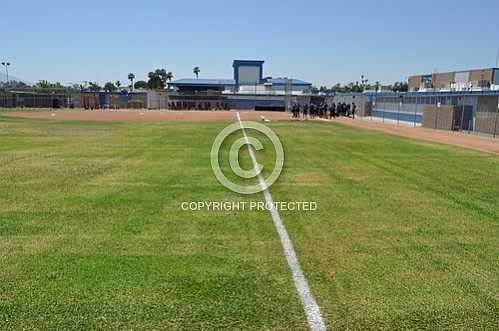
[
  {"x": 401, "y": 98},
  {"x": 6, "y": 65}
]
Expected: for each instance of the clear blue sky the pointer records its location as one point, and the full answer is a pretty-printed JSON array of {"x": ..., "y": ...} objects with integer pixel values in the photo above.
[{"x": 324, "y": 42}]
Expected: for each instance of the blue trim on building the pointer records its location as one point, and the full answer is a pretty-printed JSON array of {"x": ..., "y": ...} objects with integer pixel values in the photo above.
[
  {"x": 401, "y": 116},
  {"x": 256, "y": 63},
  {"x": 247, "y": 63}
]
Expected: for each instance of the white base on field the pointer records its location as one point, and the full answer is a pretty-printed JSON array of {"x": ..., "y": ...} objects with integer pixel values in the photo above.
[{"x": 312, "y": 310}]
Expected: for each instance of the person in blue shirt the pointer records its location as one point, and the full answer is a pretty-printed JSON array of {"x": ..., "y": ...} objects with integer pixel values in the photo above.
[
  {"x": 332, "y": 111},
  {"x": 295, "y": 110},
  {"x": 324, "y": 110}
]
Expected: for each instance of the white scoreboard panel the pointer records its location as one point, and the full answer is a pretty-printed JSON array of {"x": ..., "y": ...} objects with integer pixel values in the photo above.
[{"x": 249, "y": 75}]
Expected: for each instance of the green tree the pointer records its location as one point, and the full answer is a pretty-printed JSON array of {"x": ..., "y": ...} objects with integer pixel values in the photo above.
[
  {"x": 110, "y": 87},
  {"x": 169, "y": 76},
  {"x": 140, "y": 84},
  {"x": 400, "y": 87},
  {"x": 93, "y": 86},
  {"x": 45, "y": 84},
  {"x": 131, "y": 78},
  {"x": 196, "y": 71},
  {"x": 12, "y": 84},
  {"x": 157, "y": 79},
  {"x": 336, "y": 88}
]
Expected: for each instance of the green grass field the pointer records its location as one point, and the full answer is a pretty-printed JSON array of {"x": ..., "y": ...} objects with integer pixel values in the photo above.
[{"x": 92, "y": 235}]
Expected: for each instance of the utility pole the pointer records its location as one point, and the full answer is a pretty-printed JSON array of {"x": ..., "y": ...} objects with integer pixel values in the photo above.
[{"x": 6, "y": 65}]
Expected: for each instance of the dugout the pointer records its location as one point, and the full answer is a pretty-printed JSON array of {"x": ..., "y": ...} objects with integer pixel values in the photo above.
[
  {"x": 113, "y": 100},
  {"x": 32, "y": 99},
  {"x": 199, "y": 94}
]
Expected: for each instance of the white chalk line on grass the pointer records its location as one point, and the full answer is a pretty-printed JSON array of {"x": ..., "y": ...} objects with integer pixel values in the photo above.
[{"x": 312, "y": 310}]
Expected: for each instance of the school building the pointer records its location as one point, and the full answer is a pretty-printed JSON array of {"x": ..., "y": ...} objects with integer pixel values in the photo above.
[
  {"x": 469, "y": 80},
  {"x": 248, "y": 89}
]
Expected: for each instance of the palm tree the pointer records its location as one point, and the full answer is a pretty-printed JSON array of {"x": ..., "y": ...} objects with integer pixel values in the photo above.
[
  {"x": 131, "y": 77},
  {"x": 162, "y": 77},
  {"x": 196, "y": 71},
  {"x": 169, "y": 76}
]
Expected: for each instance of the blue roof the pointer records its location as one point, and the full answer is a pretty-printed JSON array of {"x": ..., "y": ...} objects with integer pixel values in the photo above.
[
  {"x": 203, "y": 82},
  {"x": 284, "y": 81}
]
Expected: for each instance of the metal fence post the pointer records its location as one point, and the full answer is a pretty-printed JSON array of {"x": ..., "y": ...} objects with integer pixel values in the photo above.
[
  {"x": 384, "y": 109},
  {"x": 436, "y": 115},
  {"x": 495, "y": 124},
  {"x": 461, "y": 125},
  {"x": 373, "y": 107},
  {"x": 398, "y": 112},
  {"x": 497, "y": 114},
  {"x": 415, "y": 110}
]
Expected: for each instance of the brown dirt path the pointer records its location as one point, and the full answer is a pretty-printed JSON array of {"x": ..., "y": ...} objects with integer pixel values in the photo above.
[
  {"x": 470, "y": 141},
  {"x": 147, "y": 115}
]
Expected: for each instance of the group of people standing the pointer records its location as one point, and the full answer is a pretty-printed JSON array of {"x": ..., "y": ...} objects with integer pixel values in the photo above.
[{"x": 324, "y": 110}]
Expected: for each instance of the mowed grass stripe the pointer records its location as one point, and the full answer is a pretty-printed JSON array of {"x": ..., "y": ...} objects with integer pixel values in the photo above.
[
  {"x": 93, "y": 237},
  {"x": 406, "y": 232},
  {"x": 312, "y": 310},
  {"x": 91, "y": 234}
]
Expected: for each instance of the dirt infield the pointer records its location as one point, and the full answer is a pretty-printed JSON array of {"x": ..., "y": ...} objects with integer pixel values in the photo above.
[
  {"x": 480, "y": 143},
  {"x": 149, "y": 115}
]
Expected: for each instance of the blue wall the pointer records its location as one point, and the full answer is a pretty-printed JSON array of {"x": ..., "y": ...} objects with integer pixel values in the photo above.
[{"x": 402, "y": 116}]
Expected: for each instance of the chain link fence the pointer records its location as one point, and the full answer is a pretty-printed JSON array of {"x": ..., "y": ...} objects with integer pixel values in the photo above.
[
  {"x": 38, "y": 100},
  {"x": 87, "y": 100},
  {"x": 457, "y": 113}
]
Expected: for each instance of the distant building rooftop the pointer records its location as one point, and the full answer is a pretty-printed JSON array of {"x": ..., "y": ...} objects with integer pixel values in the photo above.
[
  {"x": 203, "y": 82},
  {"x": 284, "y": 81}
]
